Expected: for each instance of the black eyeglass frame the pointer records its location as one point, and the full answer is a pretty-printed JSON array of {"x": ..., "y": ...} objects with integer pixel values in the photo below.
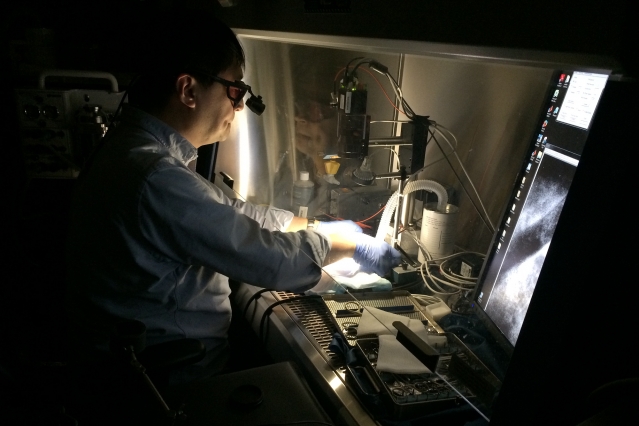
[
  {"x": 254, "y": 103},
  {"x": 244, "y": 88}
]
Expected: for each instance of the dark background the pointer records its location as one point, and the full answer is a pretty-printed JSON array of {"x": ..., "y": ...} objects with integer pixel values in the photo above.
[{"x": 99, "y": 36}]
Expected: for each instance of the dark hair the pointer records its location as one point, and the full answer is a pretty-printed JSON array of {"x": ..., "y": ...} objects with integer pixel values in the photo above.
[{"x": 181, "y": 42}]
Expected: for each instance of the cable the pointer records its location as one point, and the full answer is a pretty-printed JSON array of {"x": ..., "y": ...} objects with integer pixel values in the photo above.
[
  {"x": 371, "y": 217},
  {"x": 383, "y": 91},
  {"x": 398, "y": 91},
  {"x": 362, "y": 62},
  {"x": 349, "y": 64},
  {"x": 432, "y": 282},
  {"x": 408, "y": 285},
  {"x": 124, "y": 96},
  {"x": 377, "y": 151},
  {"x": 111, "y": 125},
  {"x": 268, "y": 310},
  {"x": 408, "y": 111},
  {"x": 411, "y": 114},
  {"x": 489, "y": 224},
  {"x": 486, "y": 221},
  {"x": 254, "y": 297},
  {"x": 427, "y": 299}
]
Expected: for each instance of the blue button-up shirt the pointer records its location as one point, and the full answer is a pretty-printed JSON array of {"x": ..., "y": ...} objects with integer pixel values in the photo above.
[{"x": 152, "y": 240}]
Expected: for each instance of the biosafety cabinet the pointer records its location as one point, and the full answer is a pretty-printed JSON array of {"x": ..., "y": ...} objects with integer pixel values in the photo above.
[{"x": 496, "y": 172}]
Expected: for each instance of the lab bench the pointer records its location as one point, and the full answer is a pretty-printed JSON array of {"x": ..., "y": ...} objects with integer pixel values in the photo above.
[{"x": 300, "y": 328}]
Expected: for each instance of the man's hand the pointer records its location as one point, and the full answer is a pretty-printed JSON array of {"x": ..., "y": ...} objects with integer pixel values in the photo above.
[{"x": 375, "y": 255}]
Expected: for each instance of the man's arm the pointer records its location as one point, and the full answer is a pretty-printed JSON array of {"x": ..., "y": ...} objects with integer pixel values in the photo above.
[
  {"x": 341, "y": 246},
  {"x": 297, "y": 224}
]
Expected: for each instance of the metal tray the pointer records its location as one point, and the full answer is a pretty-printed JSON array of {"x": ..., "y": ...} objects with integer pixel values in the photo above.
[
  {"x": 459, "y": 375},
  {"x": 397, "y": 301}
]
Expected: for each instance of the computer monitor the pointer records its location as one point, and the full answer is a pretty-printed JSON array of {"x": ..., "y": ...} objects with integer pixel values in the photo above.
[{"x": 515, "y": 258}]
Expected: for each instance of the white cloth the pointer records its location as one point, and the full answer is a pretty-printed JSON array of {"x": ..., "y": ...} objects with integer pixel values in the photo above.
[
  {"x": 393, "y": 357},
  {"x": 345, "y": 274}
]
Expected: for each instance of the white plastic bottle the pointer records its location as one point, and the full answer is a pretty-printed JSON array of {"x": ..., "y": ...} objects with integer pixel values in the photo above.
[{"x": 302, "y": 194}]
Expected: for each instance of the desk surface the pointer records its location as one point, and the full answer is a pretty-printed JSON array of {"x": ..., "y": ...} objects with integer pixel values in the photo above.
[{"x": 300, "y": 330}]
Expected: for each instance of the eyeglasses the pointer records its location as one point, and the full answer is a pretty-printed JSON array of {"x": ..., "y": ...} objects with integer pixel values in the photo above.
[{"x": 235, "y": 90}]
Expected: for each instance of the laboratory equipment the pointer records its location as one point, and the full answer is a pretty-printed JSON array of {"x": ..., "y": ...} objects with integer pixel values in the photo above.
[
  {"x": 60, "y": 126},
  {"x": 481, "y": 117}
]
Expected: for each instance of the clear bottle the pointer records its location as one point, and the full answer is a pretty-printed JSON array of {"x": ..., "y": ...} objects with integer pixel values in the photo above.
[{"x": 302, "y": 194}]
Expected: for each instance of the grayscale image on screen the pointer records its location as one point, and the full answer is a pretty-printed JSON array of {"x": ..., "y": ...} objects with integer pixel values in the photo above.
[{"x": 526, "y": 252}]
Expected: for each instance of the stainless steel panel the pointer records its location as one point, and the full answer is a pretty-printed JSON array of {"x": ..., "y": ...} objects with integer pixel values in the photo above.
[
  {"x": 492, "y": 109},
  {"x": 487, "y": 100},
  {"x": 286, "y": 339},
  {"x": 262, "y": 150}
]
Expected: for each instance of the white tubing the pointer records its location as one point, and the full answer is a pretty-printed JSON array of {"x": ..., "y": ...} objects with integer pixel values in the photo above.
[
  {"x": 382, "y": 230},
  {"x": 432, "y": 186},
  {"x": 416, "y": 185}
]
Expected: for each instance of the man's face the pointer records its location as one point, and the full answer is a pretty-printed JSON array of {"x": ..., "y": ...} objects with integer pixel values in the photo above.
[
  {"x": 216, "y": 112},
  {"x": 314, "y": 131}
]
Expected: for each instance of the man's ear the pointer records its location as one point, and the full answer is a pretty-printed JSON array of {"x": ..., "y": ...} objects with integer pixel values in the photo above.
[{"x": 185, "y": 86}]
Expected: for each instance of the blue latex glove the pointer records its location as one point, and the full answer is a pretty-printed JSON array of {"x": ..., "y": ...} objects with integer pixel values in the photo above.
[
  {"x": 338, "y": 227},
  {"x": 375, "y": 255}
]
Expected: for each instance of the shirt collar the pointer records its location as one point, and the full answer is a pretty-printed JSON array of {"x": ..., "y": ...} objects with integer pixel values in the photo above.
[{"x": 178, "y": 146}]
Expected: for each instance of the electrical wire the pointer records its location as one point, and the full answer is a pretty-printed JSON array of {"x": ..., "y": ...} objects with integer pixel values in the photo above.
[
  {"x": 410, "y": 113},
  {"x": 427, "y": 299},
  {"x": 124, "y": 96},
  {"x": 449, "y": 281},
  {"x": 362, "y": 62},
  {"x": 373, "y": 216},
  {"x": 270, "y": 308},
  {"x": 253, "y": 298},
  {"x": 454, "y": 151},
  {"x": 383, "y": 149},
  {"x": 398, "y": 91},
  {"x": 111, "y": 125},
  {"x": 346, "y": 289},
  {"x": 380, "y": 86},
  {"x": 408, "y": 285},
  {"x": 360, "y": 223},
  {"x": 486, "y": 220},
  {"x": 434, "y": 283},
  {"x": 349, "y": 64}
]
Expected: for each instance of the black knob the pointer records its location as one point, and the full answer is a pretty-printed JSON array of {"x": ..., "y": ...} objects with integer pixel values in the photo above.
[
  {"x": 50, "y": 112},
  {"x": 31, "y": 111}
]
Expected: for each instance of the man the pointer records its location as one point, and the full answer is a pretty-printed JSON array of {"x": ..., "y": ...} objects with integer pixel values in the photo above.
[{"x": 153, "y": 241}]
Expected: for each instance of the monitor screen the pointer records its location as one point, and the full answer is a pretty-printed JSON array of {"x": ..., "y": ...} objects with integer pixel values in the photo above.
[{"x": 518, "y": 251}]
